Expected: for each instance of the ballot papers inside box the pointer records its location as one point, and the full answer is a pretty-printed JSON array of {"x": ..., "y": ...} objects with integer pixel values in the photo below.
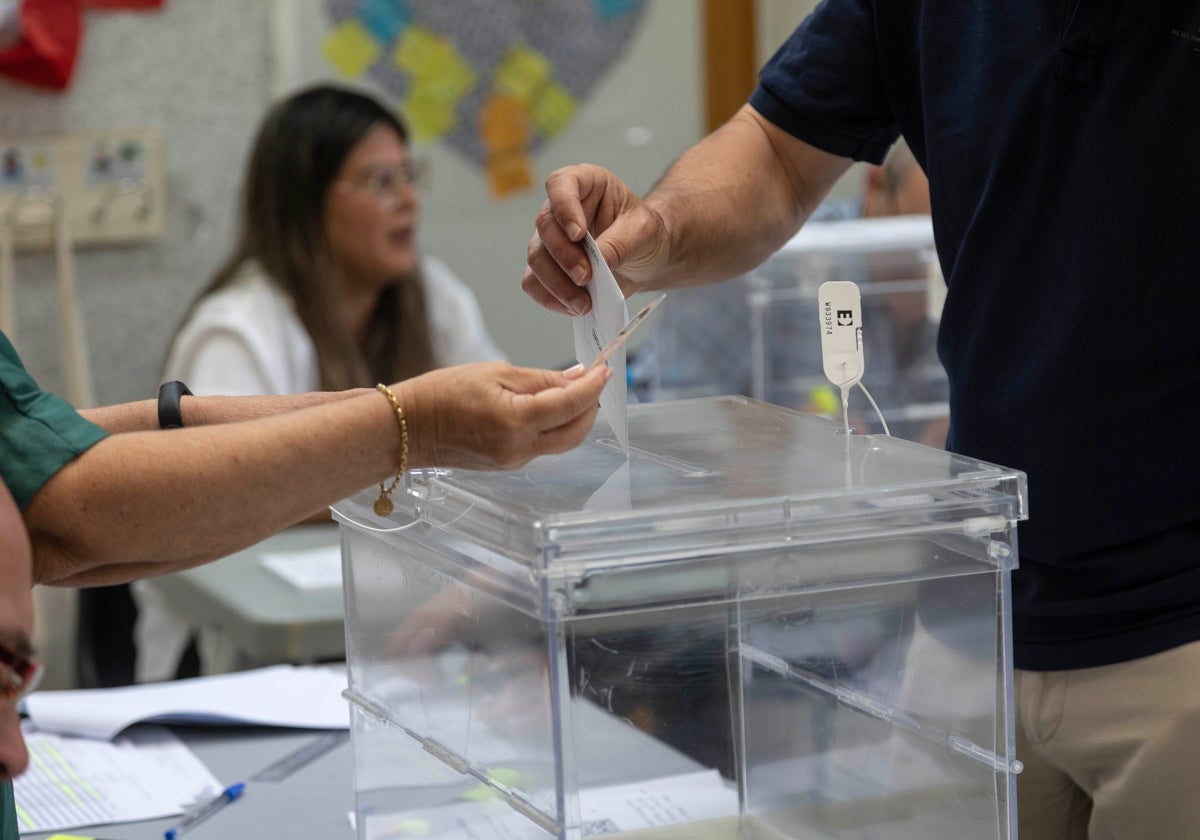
[{"x": 753, "y": 626}]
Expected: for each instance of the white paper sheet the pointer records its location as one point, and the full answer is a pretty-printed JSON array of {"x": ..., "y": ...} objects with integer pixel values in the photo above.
[
  {"x": 307, "y": 569},
  {"x": 282, "y": 695},
  {"x": 690, "y": 799},
  {"x": 73, "y": 782},
  {"x": 677, "y": 800},
  {"x": 614, "y": 493},
  {"x": 595, "y": 329}
]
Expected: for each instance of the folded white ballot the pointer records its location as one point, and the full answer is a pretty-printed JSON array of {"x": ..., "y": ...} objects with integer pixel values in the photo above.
[{"x": 595, "y": 330}]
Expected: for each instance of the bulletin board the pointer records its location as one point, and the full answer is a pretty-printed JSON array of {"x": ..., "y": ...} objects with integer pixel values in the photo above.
[{"x": 494, "y": 80}]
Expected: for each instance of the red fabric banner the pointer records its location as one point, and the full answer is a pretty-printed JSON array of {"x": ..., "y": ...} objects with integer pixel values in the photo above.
[
  {"x": 124, "y": 4},
  {"x": 50, "y": 34}
]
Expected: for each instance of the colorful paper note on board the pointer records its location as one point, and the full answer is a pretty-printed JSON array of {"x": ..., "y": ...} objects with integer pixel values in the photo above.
[
  {"x": 384, "y": 18},
  {"x": 522, "y": 73},
  {"x": 553, "y": 110},
  {"x": 351, "y": 49}
]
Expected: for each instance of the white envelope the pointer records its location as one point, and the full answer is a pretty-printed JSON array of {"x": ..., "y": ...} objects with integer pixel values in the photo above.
[{"x": 595, "y": 330}]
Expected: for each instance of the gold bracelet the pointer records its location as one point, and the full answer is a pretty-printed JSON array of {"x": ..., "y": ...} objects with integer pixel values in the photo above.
[{"x": 383, "y": 505}]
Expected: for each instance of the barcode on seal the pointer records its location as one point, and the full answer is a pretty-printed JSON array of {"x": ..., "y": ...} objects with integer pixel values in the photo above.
[{"x": 594, "y": 828}]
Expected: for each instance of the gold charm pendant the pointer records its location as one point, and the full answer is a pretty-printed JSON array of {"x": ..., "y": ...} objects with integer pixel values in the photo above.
[{"x": 383, "y": 506}]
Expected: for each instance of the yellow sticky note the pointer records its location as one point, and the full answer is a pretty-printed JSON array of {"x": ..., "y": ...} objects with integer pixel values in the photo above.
[
  {"x": 419, "y": 51},
  {"x": 351, "y": 49},
  {"x": 553, "y": 109},
  {"x": 429, "y": 117},
  {"x": 434, "y": 63},
  {"x": 522, "y": 73}
]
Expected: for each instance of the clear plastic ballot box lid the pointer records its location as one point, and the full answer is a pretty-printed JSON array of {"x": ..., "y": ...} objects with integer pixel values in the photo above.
[{"x": 705, "y": 477}]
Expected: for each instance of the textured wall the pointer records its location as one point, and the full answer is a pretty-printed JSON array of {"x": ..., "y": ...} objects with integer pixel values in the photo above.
[{"x": 197, "y": 71}]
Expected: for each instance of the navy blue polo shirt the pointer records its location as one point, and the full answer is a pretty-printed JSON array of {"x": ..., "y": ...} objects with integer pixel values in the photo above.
[{"x": 1062, "y": 144}]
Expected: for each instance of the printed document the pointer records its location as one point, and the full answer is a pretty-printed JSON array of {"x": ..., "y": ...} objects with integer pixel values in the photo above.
[{"x": 71, "y": 782}]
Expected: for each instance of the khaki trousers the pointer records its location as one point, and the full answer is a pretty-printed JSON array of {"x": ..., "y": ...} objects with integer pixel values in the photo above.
[{"x": 1111, "y": 753}]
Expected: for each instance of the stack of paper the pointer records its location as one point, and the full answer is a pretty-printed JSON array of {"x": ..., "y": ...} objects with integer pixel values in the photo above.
[{"x": 282, "y": 695}]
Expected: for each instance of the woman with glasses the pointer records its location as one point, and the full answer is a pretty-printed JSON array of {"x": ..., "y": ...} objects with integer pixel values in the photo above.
[{"x": 325, "y": 290}]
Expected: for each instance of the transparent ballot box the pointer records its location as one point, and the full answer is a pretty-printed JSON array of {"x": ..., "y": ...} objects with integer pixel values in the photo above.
[
  {"x": 759, "y": 335},
  {"x": 755, "y": 626}
]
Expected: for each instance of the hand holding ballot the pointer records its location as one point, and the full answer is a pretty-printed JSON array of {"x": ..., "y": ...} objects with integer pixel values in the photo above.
[
  {"x": 631, "y": 240},
  {"x": 600, "y": 337}
]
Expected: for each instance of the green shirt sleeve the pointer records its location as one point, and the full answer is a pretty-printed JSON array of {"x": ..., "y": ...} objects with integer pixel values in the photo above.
[
  {"x": 8, "y": 811},
  {"x": 39, "y": 432}
]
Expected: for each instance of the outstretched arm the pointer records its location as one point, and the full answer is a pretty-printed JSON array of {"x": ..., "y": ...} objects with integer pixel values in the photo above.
[
  {"x": 150, "y": 502},
  {"x": 727, "y": 204},
  {"x": 142, "y": 416}
]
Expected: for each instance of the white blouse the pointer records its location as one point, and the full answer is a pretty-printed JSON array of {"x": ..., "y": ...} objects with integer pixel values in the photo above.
[{"x": 247, "y": 339}]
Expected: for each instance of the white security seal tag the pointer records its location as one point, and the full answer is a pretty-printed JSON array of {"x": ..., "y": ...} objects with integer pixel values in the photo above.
[{"x": 841, "y": 333}]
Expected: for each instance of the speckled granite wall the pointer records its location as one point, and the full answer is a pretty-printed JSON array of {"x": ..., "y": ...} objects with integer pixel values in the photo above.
[{"x": 198, "y": 71}]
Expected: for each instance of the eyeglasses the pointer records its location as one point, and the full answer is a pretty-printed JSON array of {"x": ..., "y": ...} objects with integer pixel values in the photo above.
[
  {"x": 19, "y": 674},
  {"x": 386, "y": 184}
]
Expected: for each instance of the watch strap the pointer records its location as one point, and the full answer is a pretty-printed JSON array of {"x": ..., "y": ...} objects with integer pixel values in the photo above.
[{"x": 169, "y": 395}]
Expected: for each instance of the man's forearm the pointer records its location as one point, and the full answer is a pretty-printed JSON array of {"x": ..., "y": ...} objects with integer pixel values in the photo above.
[{"x": 734, "y": 198}]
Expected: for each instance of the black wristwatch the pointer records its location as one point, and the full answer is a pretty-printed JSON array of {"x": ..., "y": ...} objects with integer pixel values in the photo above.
[{"x": 169, "y": 395}]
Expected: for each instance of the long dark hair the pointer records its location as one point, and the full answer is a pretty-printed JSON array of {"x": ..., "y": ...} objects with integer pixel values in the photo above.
[{"x": 301, "y": 146}]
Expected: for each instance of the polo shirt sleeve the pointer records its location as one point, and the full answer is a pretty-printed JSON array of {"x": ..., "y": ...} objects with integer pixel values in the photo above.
[
  {"x": 39, "y": 432},
  {"x": 825, "y": 85},
  {"x": 8, "y": 811}
]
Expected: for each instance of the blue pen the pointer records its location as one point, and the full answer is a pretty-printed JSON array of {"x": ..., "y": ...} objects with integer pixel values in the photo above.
[{"x": 206, "y": 810}]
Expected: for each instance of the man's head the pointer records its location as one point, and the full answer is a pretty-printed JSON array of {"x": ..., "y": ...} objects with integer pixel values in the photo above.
[
  {"x": 17, "y": 667},
  {"x": 898, "y": 187}
]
